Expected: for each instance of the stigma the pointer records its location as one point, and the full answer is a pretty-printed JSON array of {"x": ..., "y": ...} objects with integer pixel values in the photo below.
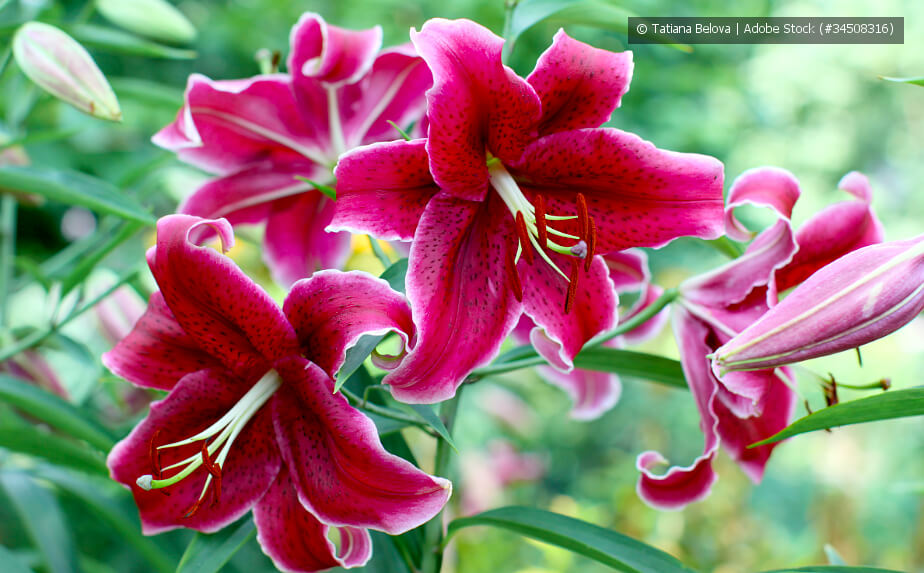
[
  {"x": 536, "y": 234},
  {"x": 215, "y": 444}
]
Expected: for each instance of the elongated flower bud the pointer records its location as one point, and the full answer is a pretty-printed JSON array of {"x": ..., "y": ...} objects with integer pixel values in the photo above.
[
  {"x": 62, "y": 67},
  {"x": 858, "y": 298},
  {"x": 155, "y": 19}
]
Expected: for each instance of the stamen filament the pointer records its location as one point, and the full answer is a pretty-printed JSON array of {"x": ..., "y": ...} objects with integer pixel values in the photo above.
[{"x": 228, "y": 428}]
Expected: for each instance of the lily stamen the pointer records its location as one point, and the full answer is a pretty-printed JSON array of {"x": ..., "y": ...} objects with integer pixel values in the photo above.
[
  {"x": 572, "y": 285},
  {"x": 524, "y": 237},
  {"x": 540, "y": 220},
  {"x": 225, "y": 431}
]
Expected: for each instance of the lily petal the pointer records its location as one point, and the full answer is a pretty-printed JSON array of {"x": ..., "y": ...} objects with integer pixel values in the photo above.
[
  {"x": 579, "y": 85},
  {"x": 459, "y": 282},
  {"x": 157, "y": 352},
  {"x": 737, "y": 432},
  {"x": 330, "y": 54},
  {"x": 770, "y": 187},
  {"x": 227, "y": 314},
  {"x": 296, "y": 243},
  {"x": 637, "y": 194},
  {"x": 296, "y": 541},
  {"x": 227, "y": 124},
  {"x": 833, "y": 232},
  {"x": 383, "y": 189},
  {"x": 332, "y": 310},
  {"x": 476, "y": 103},
  {"x": 594, "y": 309},
  {"x": 393, "y": 90},
  {"x": 681, "y": 486},
  {"x": 342, "y": 473},
  {"x": 198, "y": 400},
  {"x": 244, "y": 197}
]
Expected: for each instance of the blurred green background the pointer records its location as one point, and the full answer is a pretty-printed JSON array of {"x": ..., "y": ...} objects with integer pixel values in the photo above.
[{"x": 819, "y": 111}]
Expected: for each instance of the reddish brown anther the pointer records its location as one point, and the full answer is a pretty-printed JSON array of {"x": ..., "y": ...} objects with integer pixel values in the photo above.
[
  {"x": 572, "y": 285},
  {"x": 582, "y": 216},
  {"x": 830, "y": 391},
  {"x": 591, "y": 244},
  {"x": 155, "y": 456},
  {"x": 214, "y": 469},
  {"x": 540, "y": 221},
  {"x": 885, "y": 383},
  {"x": 524, "y": 238},
  {"x": 511, "y": 267}
]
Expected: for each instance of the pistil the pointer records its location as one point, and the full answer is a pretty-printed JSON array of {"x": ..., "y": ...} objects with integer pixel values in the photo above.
[{"x": 222, "y": 434}]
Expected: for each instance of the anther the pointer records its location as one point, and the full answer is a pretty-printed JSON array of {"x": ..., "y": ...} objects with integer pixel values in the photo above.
[
  {"x": 540, "y": 221},
  {"x": 155, "y": 455},
  {"x": 591, "y": 244},
  {"x": 572, "y": 285},
  {"x": 214, "y": 470},
  {"x": 524, "y": 237},
  {"x": 582, "y": 215},
  {"x": 514, "y": 277}
]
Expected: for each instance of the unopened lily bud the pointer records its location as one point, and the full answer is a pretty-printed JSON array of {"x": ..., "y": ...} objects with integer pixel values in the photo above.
[
  {"x": 858, "y": 298},
  {"x": 156, "y": 19},
  {"x": 62, "y": 67}
]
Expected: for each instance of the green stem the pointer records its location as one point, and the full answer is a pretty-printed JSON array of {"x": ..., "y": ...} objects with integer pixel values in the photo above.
[
  {"x": 527, "y": 357},
  {"x": 359, "y": 403},
  {"x": 433, "y": 530},
  {"x": 7, "y": 251},
  {"x": 509, "y": 7},
  {"x": 40, "y": 335}
]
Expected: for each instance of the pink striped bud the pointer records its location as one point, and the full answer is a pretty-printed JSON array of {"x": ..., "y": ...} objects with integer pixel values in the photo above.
[
  {"x": 63, "y": 68},
  {"x": 856, "y": 299}
]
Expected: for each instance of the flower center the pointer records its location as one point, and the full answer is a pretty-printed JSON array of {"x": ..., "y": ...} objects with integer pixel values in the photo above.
[
  {"x": 535, "y": 233},
  {"x": 222, "y": 435}
]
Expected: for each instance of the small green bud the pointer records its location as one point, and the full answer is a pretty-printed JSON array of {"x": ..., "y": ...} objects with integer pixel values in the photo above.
[
  {"x": 62, "y": 67},
  {"x": 156, "y": 19}
]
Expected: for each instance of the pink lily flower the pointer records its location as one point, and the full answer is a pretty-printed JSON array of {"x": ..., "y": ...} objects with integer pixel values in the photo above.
[
  {"x": 257, "y": 135},
  {"x": 251, "y": 420},
  {"x": 860, "y": 297},
  {"x": 741, "y": 408},
  {"x": 592, "y": 392},
  {"x": 511, "y": 197}
]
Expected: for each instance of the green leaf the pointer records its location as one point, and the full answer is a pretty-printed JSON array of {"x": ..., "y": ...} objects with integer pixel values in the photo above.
[
  {"x": 117, "y": 42},
  {"x": 74, "y": 189},
  {"x": 147, "y": 92},
  {"x": 885, "y": 406},
  {"x": 395, "y": 275},
  {"x": 602, "y": 545},
  {"x": 42, "y": 519},
  {"x": 426, "y": 413},
  {"x": 633, "y": 364},
  {"x": 40, "y": 137},
  {"x": 832, "y": 569},
  {"x": 114, "y": 506},
  {"x": 89, "y": 261},
  {"x": 28, "y": 439},
  {"x": 209, "y": 553},
  {"x": 594, "y": 13},
  {"x": 9, "y": 563},
  {"x": 914, "y": 81},
  {"x": 356, "y": 355},
  {"x": 55, "y": 412}
]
